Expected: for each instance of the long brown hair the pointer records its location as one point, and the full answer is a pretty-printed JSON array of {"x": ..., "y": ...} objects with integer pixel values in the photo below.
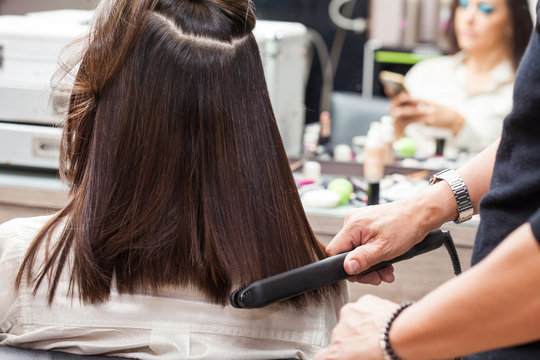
[
  {"x": 520, "y": 22},
  {"x": 177, "y": 171}
]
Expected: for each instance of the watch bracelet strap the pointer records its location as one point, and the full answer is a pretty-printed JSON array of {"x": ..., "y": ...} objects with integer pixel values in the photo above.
[{"x": 461, "y": 194}]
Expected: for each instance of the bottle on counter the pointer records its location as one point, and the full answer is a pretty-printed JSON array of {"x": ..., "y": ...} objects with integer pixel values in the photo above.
[
  {"x": 374, "y": 161},
  {"x": 439, "y": 146},
  {"x": 311, "y": 170},
  {"x": 343, "y": 153},
  {"x": 388, "y": 136},
  {"x": 310, "y": 140},
  {"x": 325, "y": 121}
]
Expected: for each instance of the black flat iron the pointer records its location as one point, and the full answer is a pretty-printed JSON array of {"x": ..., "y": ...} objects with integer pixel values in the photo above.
[{"x": 309, "y": 277}]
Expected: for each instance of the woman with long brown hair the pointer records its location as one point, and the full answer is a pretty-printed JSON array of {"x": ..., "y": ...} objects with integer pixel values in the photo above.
[{"x": 180, "y": 190}]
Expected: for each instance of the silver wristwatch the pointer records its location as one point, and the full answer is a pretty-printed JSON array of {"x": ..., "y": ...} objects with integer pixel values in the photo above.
[{"x": 464, "y": 205}]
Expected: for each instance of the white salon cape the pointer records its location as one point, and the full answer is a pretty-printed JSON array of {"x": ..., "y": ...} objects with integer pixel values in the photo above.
[
  {"x": 177, "y": 324},
  {"x": 443, "y": 80}
]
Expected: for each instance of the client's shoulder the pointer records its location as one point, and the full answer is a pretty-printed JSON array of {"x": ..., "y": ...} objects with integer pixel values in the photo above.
[
  {"x": 21, "y": 229},
  {"x": 29, "y": 223}
]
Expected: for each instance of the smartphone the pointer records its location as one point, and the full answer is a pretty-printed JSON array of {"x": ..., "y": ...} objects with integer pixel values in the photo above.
[{"x": 392, "y": 81}]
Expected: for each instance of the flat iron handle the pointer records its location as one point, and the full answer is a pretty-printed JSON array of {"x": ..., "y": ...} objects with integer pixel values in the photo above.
[{"x": 309, "y": 277}]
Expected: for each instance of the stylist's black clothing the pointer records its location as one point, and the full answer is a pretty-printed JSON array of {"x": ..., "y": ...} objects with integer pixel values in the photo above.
[{"x": 514, "y": 195}]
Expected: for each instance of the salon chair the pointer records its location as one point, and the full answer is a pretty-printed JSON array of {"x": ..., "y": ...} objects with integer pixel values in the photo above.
[
  {"x": 352, "y": 113},
  {"x": 12, "y": 353}
]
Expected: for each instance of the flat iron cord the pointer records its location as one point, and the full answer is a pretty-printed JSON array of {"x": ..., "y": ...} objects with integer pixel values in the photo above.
[{"x": 452, "y": 252}]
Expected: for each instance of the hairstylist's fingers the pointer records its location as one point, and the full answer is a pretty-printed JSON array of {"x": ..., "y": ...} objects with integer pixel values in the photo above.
[
  {"x": 385, "y": 274},
  {"x": 371, "y": 278},
  {"x": 364, "y": 257},
  {"x": 347, "y": 238}
]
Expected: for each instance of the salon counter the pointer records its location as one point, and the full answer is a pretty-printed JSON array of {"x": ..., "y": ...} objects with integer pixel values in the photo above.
[{"x": 25, "y": 194}]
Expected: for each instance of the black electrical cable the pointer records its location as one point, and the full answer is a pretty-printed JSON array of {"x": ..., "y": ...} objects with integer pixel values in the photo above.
[{"x": 452, "y": 252}]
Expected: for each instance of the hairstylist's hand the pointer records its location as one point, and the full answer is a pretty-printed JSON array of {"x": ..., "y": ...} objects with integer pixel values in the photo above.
[
  {"x": 356, "y": 336},
  {"x": 378, "y": 233}
]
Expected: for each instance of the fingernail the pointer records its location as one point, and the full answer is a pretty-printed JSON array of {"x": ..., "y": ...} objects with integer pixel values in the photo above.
[{"x": 354, "y": 267}]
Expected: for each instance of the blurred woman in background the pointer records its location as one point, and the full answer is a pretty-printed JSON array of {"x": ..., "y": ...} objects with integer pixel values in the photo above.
[{"x": 463, "y": 98}]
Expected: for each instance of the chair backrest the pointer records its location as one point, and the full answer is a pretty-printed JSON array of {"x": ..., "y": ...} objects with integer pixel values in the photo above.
[
  {"x": 352, "y": 113},
  {"x": 12, "y": 353}
]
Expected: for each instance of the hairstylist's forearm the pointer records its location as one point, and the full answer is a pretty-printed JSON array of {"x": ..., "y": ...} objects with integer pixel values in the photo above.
[
  {"x": 494, "y": 304},
  {"x": 477, "y": 173}
]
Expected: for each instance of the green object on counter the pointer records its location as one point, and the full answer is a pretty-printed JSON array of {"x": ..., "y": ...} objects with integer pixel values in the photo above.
[
  {"x": 405, "y": 147},
  {"x": 398, "y": 57},
  {"x": 343, "y": 188}
]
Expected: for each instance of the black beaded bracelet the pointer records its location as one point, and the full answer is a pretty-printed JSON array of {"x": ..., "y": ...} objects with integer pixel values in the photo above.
[{"x": 388, "y": 352}]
